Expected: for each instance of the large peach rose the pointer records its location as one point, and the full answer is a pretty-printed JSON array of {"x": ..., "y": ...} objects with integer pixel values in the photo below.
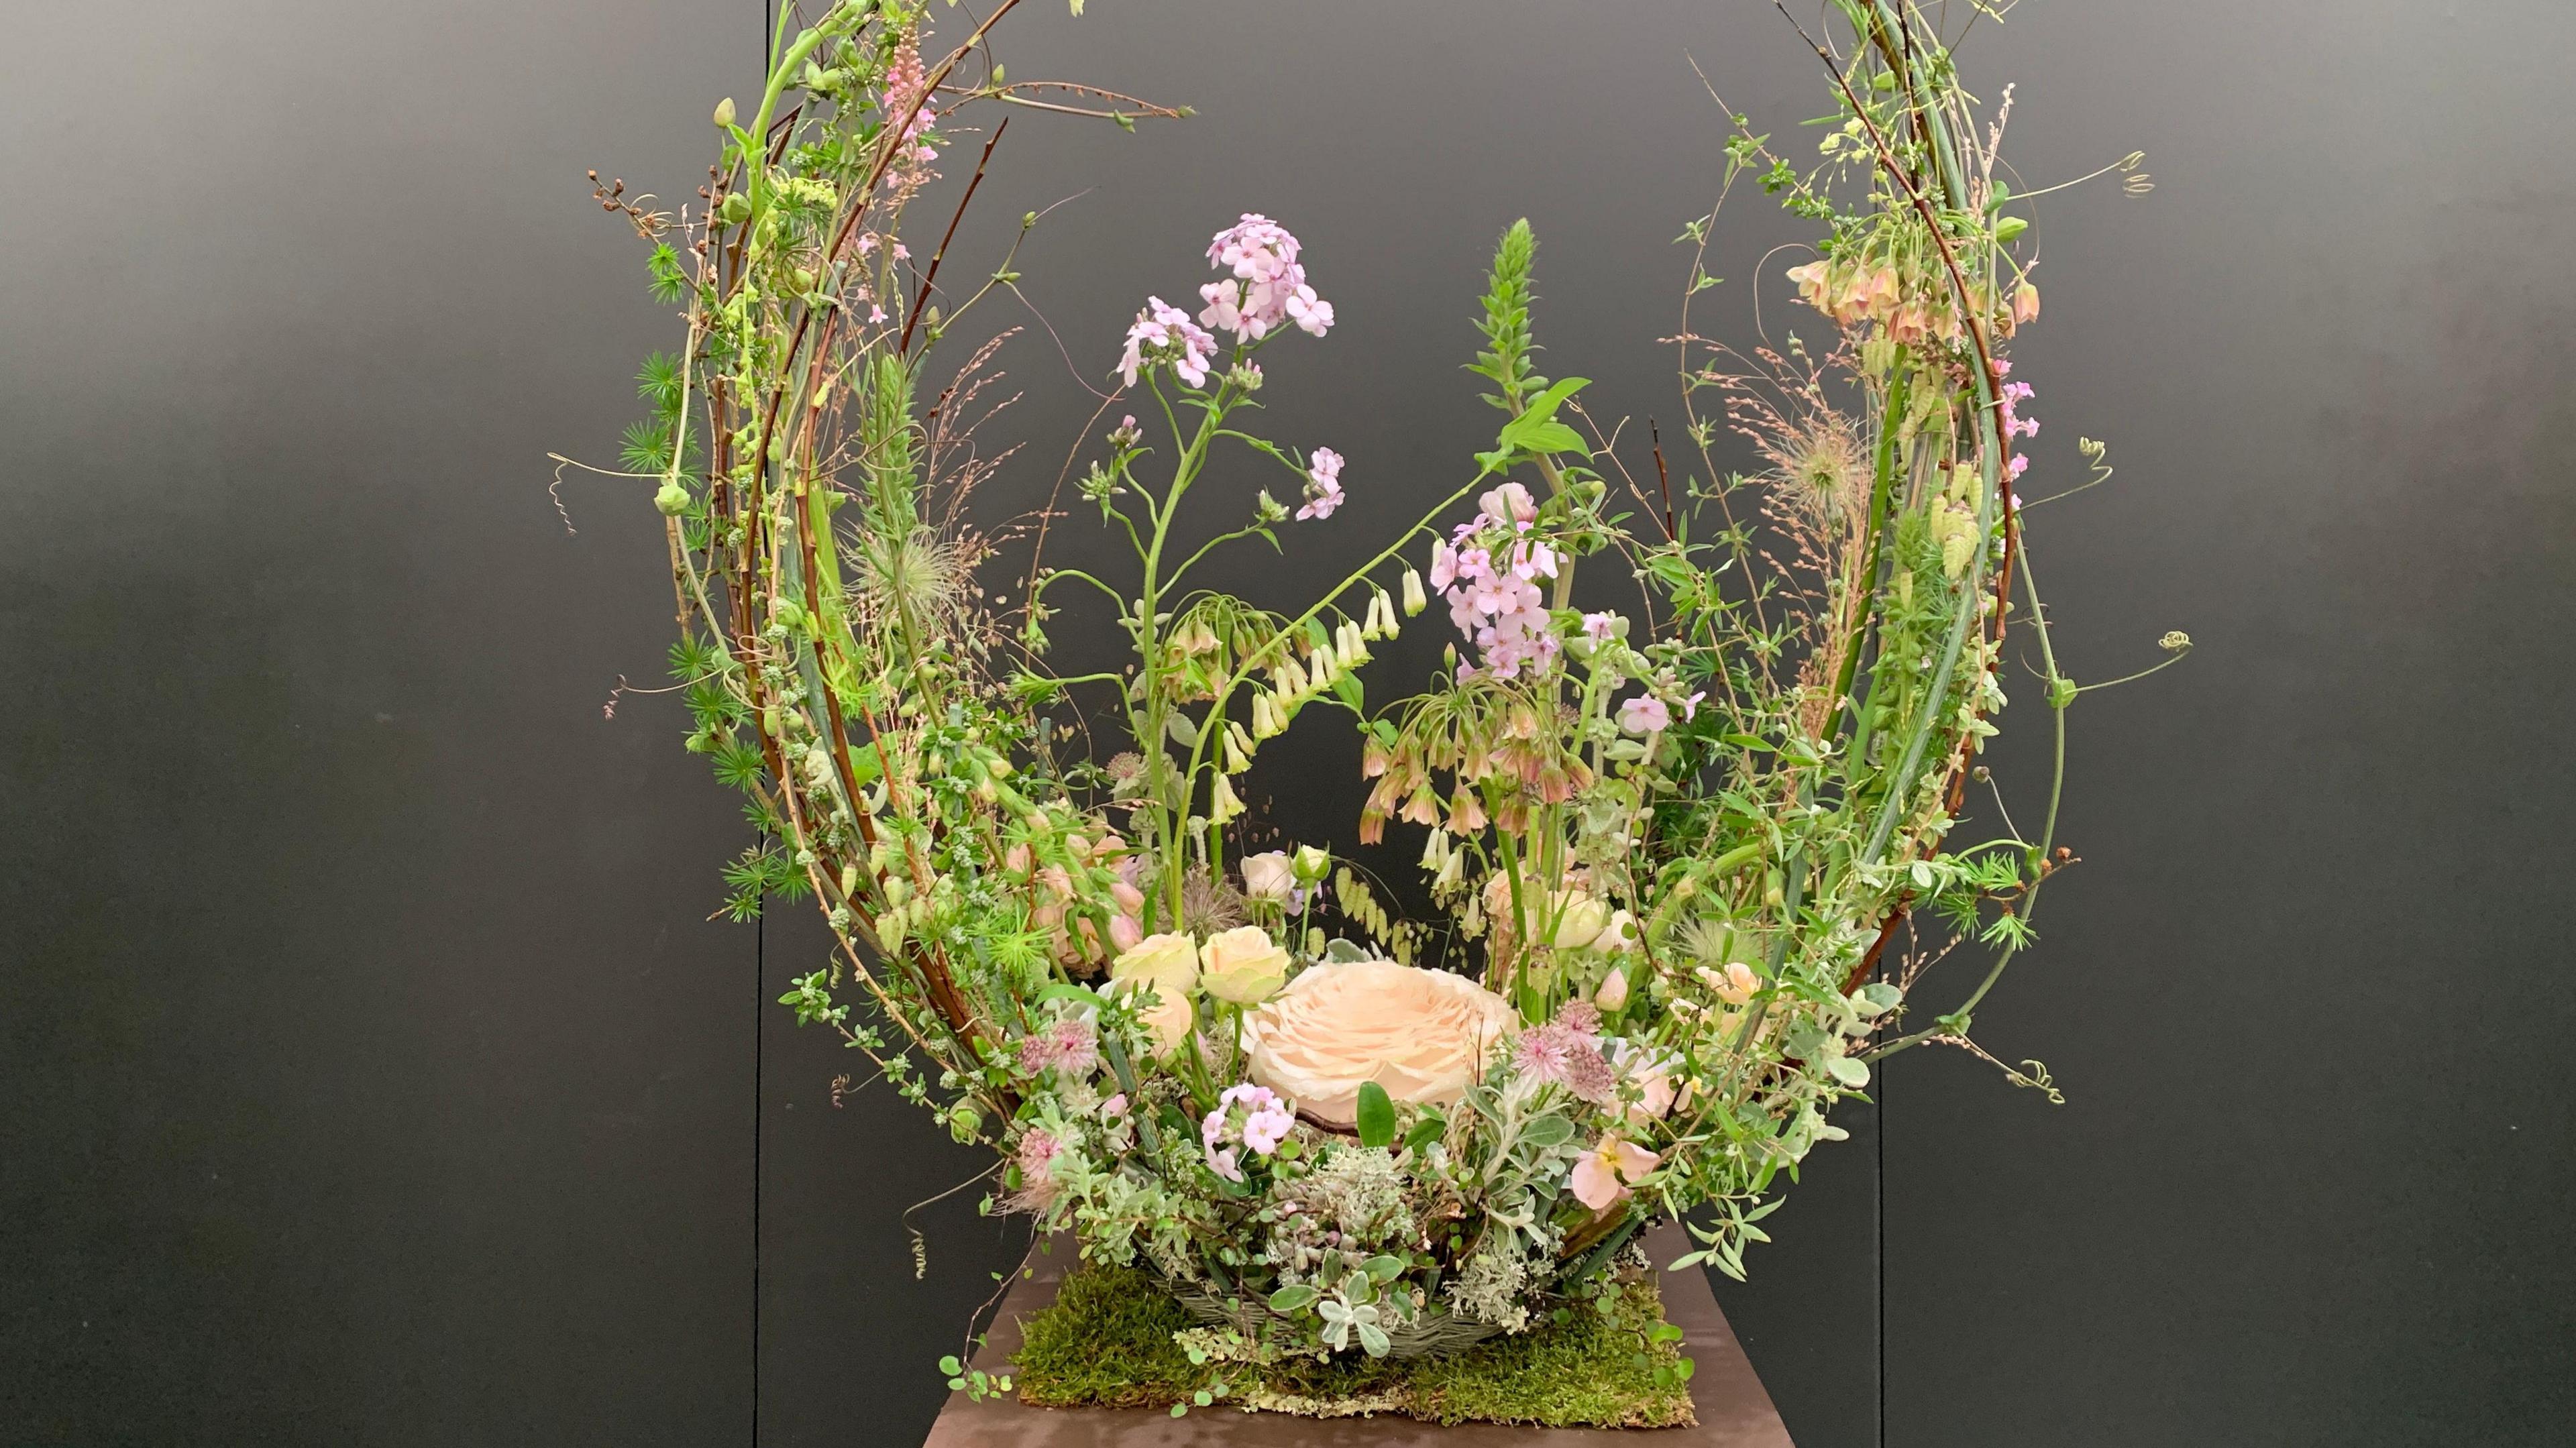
[{"x": 1421, "y": 1034}]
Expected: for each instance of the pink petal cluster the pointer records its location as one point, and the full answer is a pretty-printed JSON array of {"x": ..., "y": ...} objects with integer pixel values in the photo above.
[
  {"x": 1165, "y": 333},
  {"x": 1567, "y": 1052},
  {"x": 1268, "y": 286},
  {"x": 1499, "y": 604},
  {"x": 1071, "y": 1046},
  {"x": 1265, "y": 1122},
  {"x": 1323, "y": 484}
]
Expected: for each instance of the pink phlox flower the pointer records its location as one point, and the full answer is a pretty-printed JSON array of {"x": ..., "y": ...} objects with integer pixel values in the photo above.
[
  {"x": 1262, "y": 255},
  {"x": 1313, "y": 315},
  {"x": 1323, "y": 484},
  {"x": 1165, "y": 332},
  {"x": 1690, "y": 706},
  {"x": 1644, "y": 714},
  {"x": 1599, "y": 626},
  {"x": 876, "y": 315},
  {"x": 1444, "y": 565},
  {"x": 1531, "y": 560},
  {"x": 1266, "y": 1122}
]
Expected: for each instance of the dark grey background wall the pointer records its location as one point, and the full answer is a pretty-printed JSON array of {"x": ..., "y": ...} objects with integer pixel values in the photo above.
[{"x": 373, "y": 1075}]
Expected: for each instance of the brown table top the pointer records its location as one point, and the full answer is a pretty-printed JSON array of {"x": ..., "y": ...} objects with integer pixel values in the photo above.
[{"x": 1734, "y": 1410}]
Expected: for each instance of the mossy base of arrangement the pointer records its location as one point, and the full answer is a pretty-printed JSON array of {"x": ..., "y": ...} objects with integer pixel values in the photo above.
[{"x": 1114, "y": 1338}]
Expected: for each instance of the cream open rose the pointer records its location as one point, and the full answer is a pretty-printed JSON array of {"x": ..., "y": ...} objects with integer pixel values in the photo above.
[{"x": 1421, "y": 1034}]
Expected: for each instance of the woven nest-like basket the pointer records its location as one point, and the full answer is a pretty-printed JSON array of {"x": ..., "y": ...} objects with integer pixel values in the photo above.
[{"x": 1436, "y": 1331}]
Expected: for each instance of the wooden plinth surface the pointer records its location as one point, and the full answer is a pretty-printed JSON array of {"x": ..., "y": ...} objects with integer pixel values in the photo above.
[{"x": 1734, "y": 1411}]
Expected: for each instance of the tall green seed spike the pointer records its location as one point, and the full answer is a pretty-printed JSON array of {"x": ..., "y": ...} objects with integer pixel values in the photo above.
[{"x": 1505, "y": 360}]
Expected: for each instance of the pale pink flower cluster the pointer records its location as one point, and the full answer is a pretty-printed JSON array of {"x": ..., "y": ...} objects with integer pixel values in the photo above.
[
  {"x": 1567, "y": 1052},
  {"x": 1497, "y": 602},
  {"x": 1264, "y": 1123},
  {"x": 1268, "y": 286},
  {"x": 1323, "y": 484},
  {"x": 1070, "y": 1046},
  {"x": 1164, "y": 332}
]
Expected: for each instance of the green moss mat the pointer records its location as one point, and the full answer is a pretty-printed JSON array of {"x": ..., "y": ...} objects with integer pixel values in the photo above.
[{"x": 1106, "y": 1342}]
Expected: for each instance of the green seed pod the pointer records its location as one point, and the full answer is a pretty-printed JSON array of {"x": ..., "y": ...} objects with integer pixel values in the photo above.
[
  {"x": 736, "y": 209},
  {"x": 2006, "y": 228},
  {"x": 671, "y": 499}
]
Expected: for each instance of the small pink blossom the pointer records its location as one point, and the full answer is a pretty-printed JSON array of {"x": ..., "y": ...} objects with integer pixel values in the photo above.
[
  {"x": 1644, "y": 714},
  {"x": 1163, "y": 332},
  {"x": 1323, "y": 484},
  {"x": 1690, "y": 706},
  {"x": 1599, "y": 627},
  {"x": 1114, "y": 1107},
  {"x": 1510, "y": 503},
  {"x": 1604, "y": 1174}
]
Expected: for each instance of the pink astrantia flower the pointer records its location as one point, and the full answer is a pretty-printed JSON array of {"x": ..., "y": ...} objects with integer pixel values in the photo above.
[
  {"x": 1603, "y": 1175},
  {"x": 1567, "y": 1052},
  {"x": 1323, "y": 484},
  {"x": 1035, "y": 1158},
  {"x": 1645, "y": 714},
  {"x": 1070, "y": 1046},
  {"x": 1165, "y": 333}
]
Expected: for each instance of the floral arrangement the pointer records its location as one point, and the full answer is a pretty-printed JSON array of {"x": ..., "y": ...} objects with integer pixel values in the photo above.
[{"x": 1667, "y": 842}]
